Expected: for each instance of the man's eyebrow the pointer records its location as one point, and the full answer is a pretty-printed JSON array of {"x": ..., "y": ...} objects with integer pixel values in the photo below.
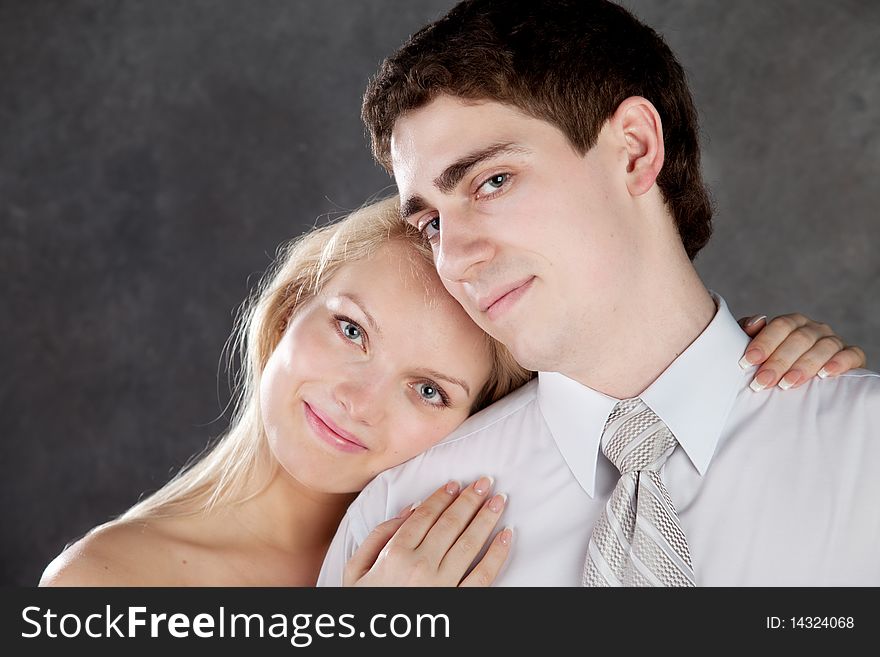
[
  {"x": 434, "y": 374},
  {"x": 452, "y": 175},
  {"x": 356, "y": 300},
  {"x": 412, "y": 205}
]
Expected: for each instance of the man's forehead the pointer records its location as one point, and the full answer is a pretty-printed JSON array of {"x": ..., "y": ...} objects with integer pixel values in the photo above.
[
  {"x": 423, "y": 150},
  {"x": 431, "y": 126}
]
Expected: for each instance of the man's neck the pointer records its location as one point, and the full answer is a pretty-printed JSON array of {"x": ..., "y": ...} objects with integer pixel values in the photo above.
[{"x": 647, "y": 332}]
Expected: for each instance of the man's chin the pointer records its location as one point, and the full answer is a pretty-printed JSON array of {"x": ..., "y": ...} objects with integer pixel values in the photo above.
[
  {"x": 497, "y": 330},
  {"x": 532, "y": 362},
  {"x": 524, "y": 351}
]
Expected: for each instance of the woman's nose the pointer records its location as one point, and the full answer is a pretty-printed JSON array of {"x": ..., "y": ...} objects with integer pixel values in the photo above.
[{"x": 364, "y": 399}]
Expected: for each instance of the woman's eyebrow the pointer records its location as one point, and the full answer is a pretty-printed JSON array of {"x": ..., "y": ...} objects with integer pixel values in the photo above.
[
  {"x": 356, "y": 300},
  {"x": 434, "y": 374}
]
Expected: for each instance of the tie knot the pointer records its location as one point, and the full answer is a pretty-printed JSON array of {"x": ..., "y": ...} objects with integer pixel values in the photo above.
[{"x": 636, "y": 439}]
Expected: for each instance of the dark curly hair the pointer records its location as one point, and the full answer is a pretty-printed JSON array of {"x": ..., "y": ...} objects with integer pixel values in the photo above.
[{"x": 568, "y": 62}]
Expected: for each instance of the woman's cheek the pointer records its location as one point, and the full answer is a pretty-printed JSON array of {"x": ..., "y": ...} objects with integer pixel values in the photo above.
[
  {"x": 314, "y": 347},
  {"x": 424, "y": 432},
  {"x": 273, "y": 385},
  {"x": 294, "y": 355}
]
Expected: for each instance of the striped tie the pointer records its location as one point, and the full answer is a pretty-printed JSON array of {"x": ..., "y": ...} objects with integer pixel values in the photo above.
[{"x": 638, "y": 540}]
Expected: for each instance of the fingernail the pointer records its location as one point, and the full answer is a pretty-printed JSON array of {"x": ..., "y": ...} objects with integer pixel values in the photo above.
[
  {"x": 824, "y": 373},
  {"x": 751, "y": 357},
  {"x": 506, "y": 535},
  {"x": 409, "y": 509},
  {"x": 483, "y": 484},
  {"x": 453, "y": 487},
  {"x": 763, "y": 380},
  {"x": 790, "y": 379},
  {"x": 755, "y": 320},
  {"x": 497, "y": 502}
]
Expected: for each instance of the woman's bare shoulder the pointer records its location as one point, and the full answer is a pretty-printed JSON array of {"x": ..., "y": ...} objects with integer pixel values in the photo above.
[{"x": 136, "y": 553}]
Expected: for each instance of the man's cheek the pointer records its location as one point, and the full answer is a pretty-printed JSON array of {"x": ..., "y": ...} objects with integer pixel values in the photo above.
[{"x": 458, "y": 292}]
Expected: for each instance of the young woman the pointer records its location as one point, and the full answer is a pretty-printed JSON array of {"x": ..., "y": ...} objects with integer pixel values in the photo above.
[{"x": 354, "y": 359}]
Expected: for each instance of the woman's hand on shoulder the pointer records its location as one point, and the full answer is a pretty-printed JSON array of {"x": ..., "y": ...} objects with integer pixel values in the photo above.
[
  {"x": 792, "y": 349},
  {"x": 435, "y": 542}
]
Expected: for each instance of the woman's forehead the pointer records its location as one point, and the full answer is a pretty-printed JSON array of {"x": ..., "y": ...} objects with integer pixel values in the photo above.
[
  {"x": 396, "y": 284},
  {"x": 396, "y": 265}
]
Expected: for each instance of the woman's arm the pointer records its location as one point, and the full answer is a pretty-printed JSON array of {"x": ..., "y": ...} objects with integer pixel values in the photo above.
[{"x": 792, "y": 349}]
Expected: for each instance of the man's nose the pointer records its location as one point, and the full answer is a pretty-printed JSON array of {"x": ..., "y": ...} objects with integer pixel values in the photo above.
[{"x": 463, "y": 250}]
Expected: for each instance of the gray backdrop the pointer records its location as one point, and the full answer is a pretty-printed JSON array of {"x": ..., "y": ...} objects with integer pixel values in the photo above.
[{"x": 154, "y": 154}]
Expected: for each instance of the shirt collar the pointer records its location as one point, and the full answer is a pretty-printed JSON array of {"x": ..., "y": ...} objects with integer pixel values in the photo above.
[{"x": 693, "y": 396}]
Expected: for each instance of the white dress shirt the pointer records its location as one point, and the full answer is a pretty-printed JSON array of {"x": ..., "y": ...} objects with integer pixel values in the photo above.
[{"x": 772, "y": 488}]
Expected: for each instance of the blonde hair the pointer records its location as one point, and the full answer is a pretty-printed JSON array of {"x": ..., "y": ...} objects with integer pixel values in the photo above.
[{"x": 241, "y": 464}]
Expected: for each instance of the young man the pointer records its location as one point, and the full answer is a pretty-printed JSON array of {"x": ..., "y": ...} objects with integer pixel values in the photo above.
[{"x": 548, "y": 151}]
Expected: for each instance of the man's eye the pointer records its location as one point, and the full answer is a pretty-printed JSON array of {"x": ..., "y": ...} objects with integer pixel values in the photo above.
[
  {"x": 431, "y": 228},
  {"x": 493, "y": 184}
]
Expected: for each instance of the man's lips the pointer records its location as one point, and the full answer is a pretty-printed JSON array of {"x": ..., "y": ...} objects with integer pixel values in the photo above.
[
  {"x": 330, "y": 427},
  {"x": 486, "y": 303}
]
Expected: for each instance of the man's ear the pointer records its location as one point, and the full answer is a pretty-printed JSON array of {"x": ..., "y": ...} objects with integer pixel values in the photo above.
[{"x": 642, "y": 132}]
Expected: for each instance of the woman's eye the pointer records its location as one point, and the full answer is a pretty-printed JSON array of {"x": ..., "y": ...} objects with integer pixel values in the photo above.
[
  {"x": 430, "y": 393},
  {"x": 351, "y": 331},
  {"x": 493, "y": 184}
]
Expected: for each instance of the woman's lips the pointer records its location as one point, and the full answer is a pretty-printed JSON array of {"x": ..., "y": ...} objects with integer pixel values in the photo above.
[{"x": 330, "y": 433}]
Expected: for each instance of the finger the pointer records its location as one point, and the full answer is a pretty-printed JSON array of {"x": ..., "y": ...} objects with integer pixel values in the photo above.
[
  {"x": 365, "y": 556},
  {"x": 752, "y": 325},
  {"x": 490, "y": 565},
  {"x": 423, "y": 517},
  {"x": 850, "y": 358},
  {"x": 462, "y": 554},
  {"x": 772, "y": 336},
  {"x": 809, "y": 365},
  {"x": 455, "y": 519},
  {"x": 797, "y": 343}
]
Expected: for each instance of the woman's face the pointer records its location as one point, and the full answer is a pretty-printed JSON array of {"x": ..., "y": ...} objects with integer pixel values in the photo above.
[{"x": 378, "y": 367}]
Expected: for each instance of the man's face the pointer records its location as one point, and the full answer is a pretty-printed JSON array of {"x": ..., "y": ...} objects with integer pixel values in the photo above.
[{"x": 535, "y": 241}]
